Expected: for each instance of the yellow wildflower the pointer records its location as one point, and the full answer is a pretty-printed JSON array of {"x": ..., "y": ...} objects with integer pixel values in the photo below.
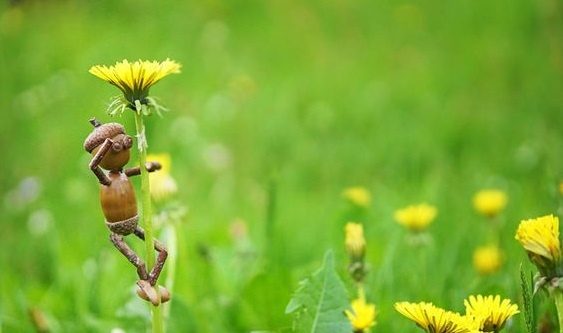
[
  {"x": 135, "y": 78},
  {"x": 491, "y": 312},
  {"x": 359, "y": 196},
  {"x": 487, "y": 259},
  {"x": 540, "y": 236},
  {"x": 416, "y": 217},
  {"x": 355, "y": 241},
  {"x": 433, "y": 319},
  {"x": 362, "y": 316},
  {"x": 161, "y": 182},
  {"x": 489, "y": 202}
]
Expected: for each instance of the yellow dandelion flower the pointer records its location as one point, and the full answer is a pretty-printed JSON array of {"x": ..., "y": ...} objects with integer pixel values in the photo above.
[
  {"x": 416, "y": 217},
  {"x": 135, "y": 78},
  {"x": 433, "y": 319},
  {"x": 490, "y": 311},
  {"x": 561, "y": 187},
  {"x": 489, "y": 202},
  {"x": 359, "y": 196},
  {"x": 362, "y": 316},
  {"x": 487, "y": 259},
  {"x": 161, "y": 182},
  {"x": 355, "y": 241},
  {"x": 540, "y": 237}
]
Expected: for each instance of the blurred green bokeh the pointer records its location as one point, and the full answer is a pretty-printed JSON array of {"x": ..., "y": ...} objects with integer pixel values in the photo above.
[{"x": 279, "y": 107}]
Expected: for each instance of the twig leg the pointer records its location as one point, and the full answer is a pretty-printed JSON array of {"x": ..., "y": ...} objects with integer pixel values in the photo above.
[
  {"x": 160, "y": 260},
  {"x": 133, "y": 258}
]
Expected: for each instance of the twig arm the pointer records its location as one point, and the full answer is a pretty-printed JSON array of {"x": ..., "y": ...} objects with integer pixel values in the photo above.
[
  {"x": 135, "y": 171},
  {"x": 95, "y": 162}
]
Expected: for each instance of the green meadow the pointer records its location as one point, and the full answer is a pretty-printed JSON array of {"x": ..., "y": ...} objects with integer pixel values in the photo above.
[{"x": 279, "y": 107}]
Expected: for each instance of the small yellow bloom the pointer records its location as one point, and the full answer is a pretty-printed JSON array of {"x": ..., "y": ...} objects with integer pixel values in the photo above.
[
  {"x": 433, "y": 319},
  {"x": 490, "y": 311},
  {"x": 362, "y": 316},
  {"x": 416, "y": 217},
  {"x": 358, "y": 196},
  {"x": 135, "y": 78},
  {"x": 355, "y": 241},
  {"x": 161, "y": 182},
  {"x": 540, "y": 236},
  {"x": 490, "y": 202},
  {"x": 487, "y": 259}
]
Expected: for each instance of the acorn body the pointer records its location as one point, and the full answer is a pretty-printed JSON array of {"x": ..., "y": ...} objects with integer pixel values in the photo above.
[
  {"x": 118, "y": 199},
  {"x": 117, "y": 195}
]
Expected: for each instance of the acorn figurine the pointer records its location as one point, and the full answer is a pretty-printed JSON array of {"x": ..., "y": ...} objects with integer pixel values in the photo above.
[{"x": 110, "y": 147}]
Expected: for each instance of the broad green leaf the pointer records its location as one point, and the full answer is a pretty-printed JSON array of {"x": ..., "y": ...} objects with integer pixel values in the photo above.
[{"x": 320, "y": 301}]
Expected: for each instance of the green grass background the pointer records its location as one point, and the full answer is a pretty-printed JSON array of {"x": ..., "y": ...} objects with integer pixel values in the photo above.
[{"x": 284, "y": 101}]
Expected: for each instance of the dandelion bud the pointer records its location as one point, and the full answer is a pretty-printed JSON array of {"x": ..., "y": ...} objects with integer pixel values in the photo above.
[
  {"x": 487, "y": 259},
  {"x": 355, "y": 241},
  {"x": 161, "y": 182},
  {"x": 356, "y": 248},
  {"x": 416, "y": 218},
  {"x": 358, "y": 196},
  {"x": 489, "y": 202},
  {"x": 540, "y": 238}
]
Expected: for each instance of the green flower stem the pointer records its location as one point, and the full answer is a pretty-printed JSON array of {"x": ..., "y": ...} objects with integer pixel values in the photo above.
[
  {"x": 172, "y": 242},
  {"x": 496, "y": 223},
  {"x": 157, "y": 324},
  {"x": 558, "y": 297}
]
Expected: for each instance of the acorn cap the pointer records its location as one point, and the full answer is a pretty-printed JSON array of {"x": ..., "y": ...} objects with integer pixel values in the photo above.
[{"x": 100, "y": 133}]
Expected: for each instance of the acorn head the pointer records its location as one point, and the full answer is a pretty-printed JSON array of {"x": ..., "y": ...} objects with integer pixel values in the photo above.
[{"x": 118, "y": 155}]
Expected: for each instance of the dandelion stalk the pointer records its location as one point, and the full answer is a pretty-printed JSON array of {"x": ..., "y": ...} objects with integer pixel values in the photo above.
[
  {"x": 558, "y": 298},
  {"x": 157, "y": 323},
  {"x": 172, "y": 261}
]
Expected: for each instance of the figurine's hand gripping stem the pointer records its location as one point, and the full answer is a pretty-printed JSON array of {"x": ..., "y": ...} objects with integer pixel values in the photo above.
[
  {"x": 150, "y": 166},
  {"x": 95, "y": 162}
]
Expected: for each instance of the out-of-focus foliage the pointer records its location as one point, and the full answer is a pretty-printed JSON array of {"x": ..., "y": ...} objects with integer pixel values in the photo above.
[{"x": 280, "y": 107}]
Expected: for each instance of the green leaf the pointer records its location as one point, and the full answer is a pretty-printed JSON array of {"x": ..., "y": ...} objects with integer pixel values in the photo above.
[
  {"x": 320, "y": 301},
  {"x": 527, "y": 285}
]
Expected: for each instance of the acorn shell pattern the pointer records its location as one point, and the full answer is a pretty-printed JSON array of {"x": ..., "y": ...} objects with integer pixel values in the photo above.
[{"x": 100, "y": 133}]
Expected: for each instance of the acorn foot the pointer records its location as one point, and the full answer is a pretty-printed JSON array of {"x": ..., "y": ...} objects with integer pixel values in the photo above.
[
  {"x": 164, "y": 294},
  {"x": 147, "y": 292}
]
